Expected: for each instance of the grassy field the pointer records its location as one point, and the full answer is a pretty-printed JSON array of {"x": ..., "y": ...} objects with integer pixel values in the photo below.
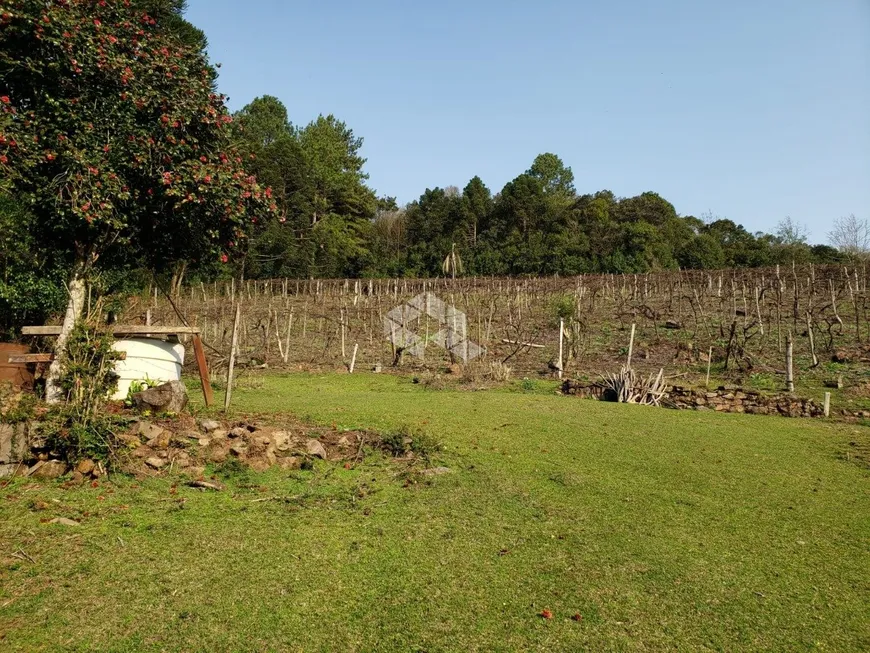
[{"x": 662, "y": 530}]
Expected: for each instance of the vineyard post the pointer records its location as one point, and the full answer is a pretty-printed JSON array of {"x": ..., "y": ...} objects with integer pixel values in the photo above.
[
  {"x": 561, "y": 331},
  {"x": 812, "y": 341},
  {"x": 342, "y": 314},
  {"x": 789, "y": 362},
  {"x": 353, "y": 357},
  {"x": 709, "y": 361},
  {"x": 630, "y": 346},
  {"x": 287, "y": 346},
  {"x": 232, "y": 365},
  {"x": 827, "y": 404}
]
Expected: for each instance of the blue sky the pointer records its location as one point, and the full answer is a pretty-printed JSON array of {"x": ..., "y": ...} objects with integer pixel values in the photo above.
[{"x": 751, "y": 110}]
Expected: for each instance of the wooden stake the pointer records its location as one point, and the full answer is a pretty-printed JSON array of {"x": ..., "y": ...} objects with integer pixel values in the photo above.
[
  {"x": 630, "y": 347},
  {"x": 709, "y": 361},
  {"x": 827, "y": 404},
  {"x": 278, "y": 338},
  {"x": 561, "y": 333},
  {"x": 789, "y": 362},
  {"x": 812, "y": 340},
  {"x": 342, "y": 333},
  {"x": 202, "y": 365},
  {"x": 353, "y": 357},
  {"x": 232, "y": 366},
  {"x": 287, "y": 345}
]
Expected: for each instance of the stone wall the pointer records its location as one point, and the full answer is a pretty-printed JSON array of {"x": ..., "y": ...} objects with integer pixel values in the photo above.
[
  {"x": 735, "y": 400},
  {"x": 14, "y": 446},
  {"x": 723, "y": 399}
]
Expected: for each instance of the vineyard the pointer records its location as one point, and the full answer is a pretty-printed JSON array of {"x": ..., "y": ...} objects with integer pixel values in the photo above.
[{"x": 733, "y": 325}]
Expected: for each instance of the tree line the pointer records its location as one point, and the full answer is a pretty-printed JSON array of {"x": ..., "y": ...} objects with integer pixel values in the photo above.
[{"x": 332, "y": 224}]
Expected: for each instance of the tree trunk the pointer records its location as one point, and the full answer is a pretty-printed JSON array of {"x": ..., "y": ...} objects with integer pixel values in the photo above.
[{"x": 53, "y": 391}]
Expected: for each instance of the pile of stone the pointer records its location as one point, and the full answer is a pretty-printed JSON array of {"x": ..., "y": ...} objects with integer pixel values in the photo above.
[
  {"x": 181, "y": 444},
  {"x": 259, "y": 447}
]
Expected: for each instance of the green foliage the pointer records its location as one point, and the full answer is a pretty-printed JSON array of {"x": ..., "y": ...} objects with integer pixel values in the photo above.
[
  {"x": 138, "y": 386},
  {"x": 111, "y": 134},
  {"x": 407, "y": 440},
  {"x": 233, "y": 469},
  {"x": 15, "y": 406},
  {"x": 564, "y": 307},
  {"x": 79, "y": 428}
]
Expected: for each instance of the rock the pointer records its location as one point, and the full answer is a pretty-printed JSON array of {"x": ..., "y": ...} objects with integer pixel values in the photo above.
[
  {"x": 155, "y": 462},
  {"x": 142, "y": 451},
  {"x": 238, "y": 449},
  {"x": 258, "y": 464},
  {"x": 314, "y": 448},
  {"x": 195, "y": 471},
  {"x": 161, "y": 441},
  {"x": 78, "y": 477},
  {"x": 204, "y": 442},
  {"x": 673, "y": 324},
  {"x": 289, "y": 463},
  {"x": 840, "y": 356},
  {"x": 167, "y": 398},
  {"x": 48, "y": 470},
  {"x": 282, "y": 440},
  {"x": 377, "y": 368},
  {"x": 85, "y": 466},
  {"x": 206, "y": 485},
  {"x": 239, "y": 432},
  {"x": 63, "y": 521},
  {"x": 217, "y": 452},
  {"x": 209, "y": 425},
  {"x": 130, "y": 441},
  {"x": 7, "y": 469}
]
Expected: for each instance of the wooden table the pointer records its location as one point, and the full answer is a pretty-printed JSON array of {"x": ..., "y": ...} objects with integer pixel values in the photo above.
[{"x": 139, "y": 330}]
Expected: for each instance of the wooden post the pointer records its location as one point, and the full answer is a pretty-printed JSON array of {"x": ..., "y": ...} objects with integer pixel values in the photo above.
[
  {"x": 812, "y": 340},
  {"x": 342, "y": 333},
  {"x": 827, "y": 404},
  {"x": 232, "y": 365},
  {"x": 709, "y": 361},
  {"x": 789, "y": 362},
  {"x": 630, "y": 347},
  {"x": 353, "y": 357},
  {"x": 278, "y": 338},
  {"x": 287, "y": 343},
  {"x": 202, "y": 365},
  {"x": 561, "y": 333}
]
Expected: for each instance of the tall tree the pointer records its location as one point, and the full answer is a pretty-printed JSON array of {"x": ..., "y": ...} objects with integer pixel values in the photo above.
[
  {"x": 851, "y": 235},
  {"x": 112, "y": 133}
]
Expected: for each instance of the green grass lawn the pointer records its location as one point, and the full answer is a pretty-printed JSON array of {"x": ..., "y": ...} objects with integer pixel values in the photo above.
[{"x": 664, "y": 530}]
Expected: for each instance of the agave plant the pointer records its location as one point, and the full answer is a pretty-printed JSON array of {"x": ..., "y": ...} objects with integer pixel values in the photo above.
[{"x": 627, "y": 387}]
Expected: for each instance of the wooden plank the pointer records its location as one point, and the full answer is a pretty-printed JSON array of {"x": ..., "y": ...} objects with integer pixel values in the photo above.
[
  {"x": 202, "y": 364},
  {"x": 131, "y": 330},
  {"x": 31, "y": 358},
  {"x": 48, "y": 357}
]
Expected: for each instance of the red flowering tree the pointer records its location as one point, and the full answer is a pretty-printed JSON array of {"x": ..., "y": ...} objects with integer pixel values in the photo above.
[{"x": 111, "y": 133}]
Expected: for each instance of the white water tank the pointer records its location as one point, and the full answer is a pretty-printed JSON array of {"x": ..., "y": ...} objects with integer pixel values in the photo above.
[{"x": 147, "y": 358}]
